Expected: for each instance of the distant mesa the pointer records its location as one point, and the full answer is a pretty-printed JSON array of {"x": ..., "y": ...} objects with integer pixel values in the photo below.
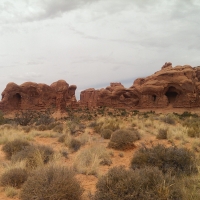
[{"x": 174, "y": 87}]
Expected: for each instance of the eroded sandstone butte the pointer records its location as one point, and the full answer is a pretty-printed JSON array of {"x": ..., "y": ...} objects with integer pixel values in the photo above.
[
  {"x": 177, "y": 87},
  {"x": 173, "y": 87},
  {"x": 33, "y": 96}
]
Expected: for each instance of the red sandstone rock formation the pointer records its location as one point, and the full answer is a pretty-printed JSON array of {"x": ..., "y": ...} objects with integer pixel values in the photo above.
[
  {"x": 33, "y": 96},
  {"x": 177, "y": 87},
  {"x": 174, "y": 87}
]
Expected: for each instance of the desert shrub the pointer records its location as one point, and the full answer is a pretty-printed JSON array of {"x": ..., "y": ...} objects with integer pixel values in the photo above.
[
  {"x": 73, "y": 127},
  {"x": 97, "y": 127},
  {"x": 92, "y": 124},
  {"x": 61, "y": 138},
  {"x": 64, "y": 153},
  {"x": 169, "y": 119},
  {"x": 84, "y": 138},
  {"x": 123, "y": 139},
  {"x": 58, "y": 128},
  {"x": 34, "y": 156},
  {"x": 25, "y": 118},
  {"x": 44, "y": 118},
  {"x": 12, "y": 147},
  {"x": 146, "y": 183},
  {"x": 27, "y": 129},
  {"x": 162, "y": 133},
  {"x": 193, "y": 132},
  {"x": 88, "y": 160},
  {"x": 52, "y": 182},
  {"x": 106, "y": 133},
  {"x": 186, "y": 114},
  {"x": 111, "y": 124},
  {"x": 177, "y": 160},
  {"x": 10, "y": 191},
  {"x": 42, "y": 127},
  {"x": 52, "y": 125},
  {"x": 14, "y": 177},
  {"x": 74, "y": 144}
]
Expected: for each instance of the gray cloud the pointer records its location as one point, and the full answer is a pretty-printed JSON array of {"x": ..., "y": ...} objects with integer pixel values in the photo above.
[
  {"x": 33, "y": 10},
  {"x": 93, "y": 42}
]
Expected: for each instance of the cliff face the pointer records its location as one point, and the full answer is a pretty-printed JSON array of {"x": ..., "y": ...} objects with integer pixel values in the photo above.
[
  {"x": 33, "y": 96},
  {"x": 175, "y": 87}
]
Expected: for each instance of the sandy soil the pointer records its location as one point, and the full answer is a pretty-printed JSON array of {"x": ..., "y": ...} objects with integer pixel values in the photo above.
[{"x": 119, "y": 157}]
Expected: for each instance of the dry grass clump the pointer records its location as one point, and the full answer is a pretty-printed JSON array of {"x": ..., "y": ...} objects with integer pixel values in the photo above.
[
  {"x": 74, "y": 145},
  {"x": 52, "y": 182},
  {"x": 194, "y": 132},
  {"x": 84, "y": 137},
  {"x": 73, "y": 127},
  {"x": 26, "y": 129},
  {"x": 176, "y": 160},
  {"x": 9, "y": 133},
  {"x": 123, "y": 139},
  {"x": 146, "y": 183},
  {"x": 14, "y": 177},
  {"x": 108, "y": 123},
  {"x": 58, "y": 128},
  {"x": 10, "y": 191},
  {"x": 177, "y": 132},
  {"x": 169, "y": 119},
  {"x": 162, "y": 133},
  {"x": 71, "y": 142},
  {"x": 42, "y": 127},
  {"x": 111, "y": 124},
  {"x": 88, "y": 161},
  {"x": 190, "y": 187},
  {"x": 34, "y": 156},
  {"x": 12, "y": 147},
  {"x": 106, "y": 133}
]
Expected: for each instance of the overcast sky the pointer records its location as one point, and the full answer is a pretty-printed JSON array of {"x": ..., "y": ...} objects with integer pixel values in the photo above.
[{"x": 91, "y": 43}]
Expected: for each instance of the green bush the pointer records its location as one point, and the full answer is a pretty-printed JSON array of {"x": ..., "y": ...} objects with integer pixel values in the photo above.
[
  {"x": 146, "y": 183},
  {"x": 14, "y": 177},
  {"x": 123, "y": 139},
  {"x": 162, "y": 133},
  {"x": 52, "y": 183},
  {"x": 12, "y": 147},
  {"x": 106, "y": 133},
  {"x": 34, "y": 156},
  {"x": 177, "y": 160}
]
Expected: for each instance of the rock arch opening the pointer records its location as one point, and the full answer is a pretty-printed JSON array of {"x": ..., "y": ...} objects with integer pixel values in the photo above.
[
  {"x": 171, "y": 94},
  {"x": 154, "y": 98},
  {"x": 16, "y": 101}
]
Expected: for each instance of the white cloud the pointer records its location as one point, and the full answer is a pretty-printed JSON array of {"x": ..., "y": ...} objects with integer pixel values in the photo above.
[{"x": 93, "y": 42}]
